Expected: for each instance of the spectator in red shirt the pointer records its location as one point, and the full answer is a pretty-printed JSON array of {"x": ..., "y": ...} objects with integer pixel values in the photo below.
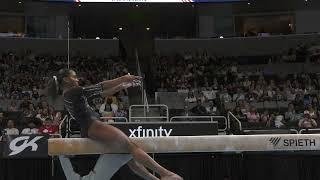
[{"x": 48, "y": 127}]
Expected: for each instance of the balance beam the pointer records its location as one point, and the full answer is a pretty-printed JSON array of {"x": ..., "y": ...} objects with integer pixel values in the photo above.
[
  {"x": 110, "y": 162},
  {"x": 188, "y": 144}
]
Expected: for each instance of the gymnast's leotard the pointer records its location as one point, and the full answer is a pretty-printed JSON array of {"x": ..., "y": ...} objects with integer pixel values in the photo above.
[{"x": 76, "y": 101}]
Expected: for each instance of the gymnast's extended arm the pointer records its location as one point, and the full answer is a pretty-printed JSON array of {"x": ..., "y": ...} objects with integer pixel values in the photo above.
[
  {"x": 111, "y": 87},
  {"x": 111, "y": 84}
]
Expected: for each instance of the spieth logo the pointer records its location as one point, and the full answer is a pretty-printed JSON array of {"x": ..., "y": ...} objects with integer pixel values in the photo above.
[
  {"x": 140, "y": 132},
  {"x": 275, "y": 141},
  {"x": 293, "y": 142},
  {"x": 26, "y": 143}
]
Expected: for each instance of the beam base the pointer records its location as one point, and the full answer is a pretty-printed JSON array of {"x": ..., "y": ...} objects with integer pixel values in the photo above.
[{"x": 106, "y": 166}]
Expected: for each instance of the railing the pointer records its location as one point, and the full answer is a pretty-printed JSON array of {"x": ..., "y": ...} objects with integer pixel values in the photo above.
[
  {"x": 310, "y": 130},
  {"x": 271, "y": 130},
  {"x": 204, "y": 117},
  {"x": 256, "y": 130},
  {"x": 61, "y": 123},
  {"x": 235, "y": 118},
  {"x": 145, "y": 115},
  {"x": 227, "y": 121},
  {"x": 113, "y": 118},
  {"x": 294, "y": 130}
]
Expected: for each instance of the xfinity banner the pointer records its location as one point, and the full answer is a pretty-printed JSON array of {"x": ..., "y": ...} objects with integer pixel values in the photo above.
[
  {"x": 164, "y": 129},
  {"x": 26, "y": 146}
]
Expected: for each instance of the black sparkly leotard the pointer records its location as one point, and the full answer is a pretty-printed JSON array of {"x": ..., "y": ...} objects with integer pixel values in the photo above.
[{"x": 76, "y": 102}]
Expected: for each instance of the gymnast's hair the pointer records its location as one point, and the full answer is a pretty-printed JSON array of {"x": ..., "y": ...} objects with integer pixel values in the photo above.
[{"x": 56, "y": 83}]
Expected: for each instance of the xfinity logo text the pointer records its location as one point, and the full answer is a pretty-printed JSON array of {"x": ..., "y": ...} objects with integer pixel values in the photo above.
[
  {"x": 25, "y": 143},
  {"x": 140, "y": 132}
]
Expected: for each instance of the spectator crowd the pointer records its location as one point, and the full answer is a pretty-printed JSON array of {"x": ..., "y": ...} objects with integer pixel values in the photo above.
[
  {"x": 215, "y": 85},
  {"x": 23, "y": 89},
  {"x": 212, "y": 86}
]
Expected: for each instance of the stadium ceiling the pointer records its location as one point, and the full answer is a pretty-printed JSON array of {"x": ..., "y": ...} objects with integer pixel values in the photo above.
[{"x": 17, "y": 6}]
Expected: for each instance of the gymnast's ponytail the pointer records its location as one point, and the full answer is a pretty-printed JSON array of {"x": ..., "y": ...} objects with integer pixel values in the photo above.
[
  {"x": 53, "y": 87},
  {"x": 55, "y": 84}
]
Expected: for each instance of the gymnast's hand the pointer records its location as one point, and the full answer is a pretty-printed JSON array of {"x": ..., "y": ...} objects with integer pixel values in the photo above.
[
  {"x": 131, "y": 78},
  {"x": 134, "y": 83}
]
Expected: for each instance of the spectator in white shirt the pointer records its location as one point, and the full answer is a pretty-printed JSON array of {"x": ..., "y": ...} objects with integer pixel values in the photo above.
[
  {"x": 291, "y": 95},
  {"x": 31, "y": 129},
  {"x": 202, "y": 97},
  {"x": 212, "y": 109},
  {"x": 278, "y": 120},
  {"x": 238, "y": 96},
  {"x": 11, "y": 130},
  {"x": 310, "y": 110},
  {"x": 210, "y": 94},
  {"x": 190, "y": 98},
  {"x": 270, "y": 92},
  {"x": 225, "y": 96},
  {"x": 44, "y": 114},
  {"x": 108, "y": 108},
  {"x": 291, "y": 115}
]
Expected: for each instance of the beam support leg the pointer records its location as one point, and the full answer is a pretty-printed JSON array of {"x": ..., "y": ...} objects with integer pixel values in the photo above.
[{"x": 106, "y": 166}]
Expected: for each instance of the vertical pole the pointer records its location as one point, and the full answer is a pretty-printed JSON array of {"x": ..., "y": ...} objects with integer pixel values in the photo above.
[{"x": 68, "y": 45}]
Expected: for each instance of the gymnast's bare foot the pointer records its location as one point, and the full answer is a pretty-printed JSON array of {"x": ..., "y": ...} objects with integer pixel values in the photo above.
[{"x": 172, "y": 177}]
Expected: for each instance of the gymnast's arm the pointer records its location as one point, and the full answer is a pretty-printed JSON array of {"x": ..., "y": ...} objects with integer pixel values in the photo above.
[
  {"x": 119, "y": 87},
  {"x": 110, "y": 84},
  {"x": 108, "y": 88},
  {"x": 112, "y": 90}
]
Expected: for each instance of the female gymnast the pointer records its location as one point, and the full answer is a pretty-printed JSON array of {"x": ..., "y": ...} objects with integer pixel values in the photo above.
[{"x": 76, "y": 102}]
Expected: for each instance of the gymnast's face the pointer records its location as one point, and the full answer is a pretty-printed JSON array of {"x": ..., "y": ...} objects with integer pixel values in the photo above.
[{"x": 72, "y": 79}]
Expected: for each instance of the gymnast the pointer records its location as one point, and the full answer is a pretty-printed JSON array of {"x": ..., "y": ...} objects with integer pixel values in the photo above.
[{"x": 76, "y": 102}]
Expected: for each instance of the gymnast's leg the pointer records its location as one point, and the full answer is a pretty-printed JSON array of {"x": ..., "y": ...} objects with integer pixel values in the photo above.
[
  {"x": 141, "y": 170},
  {"x": 116, "y": 139}
]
